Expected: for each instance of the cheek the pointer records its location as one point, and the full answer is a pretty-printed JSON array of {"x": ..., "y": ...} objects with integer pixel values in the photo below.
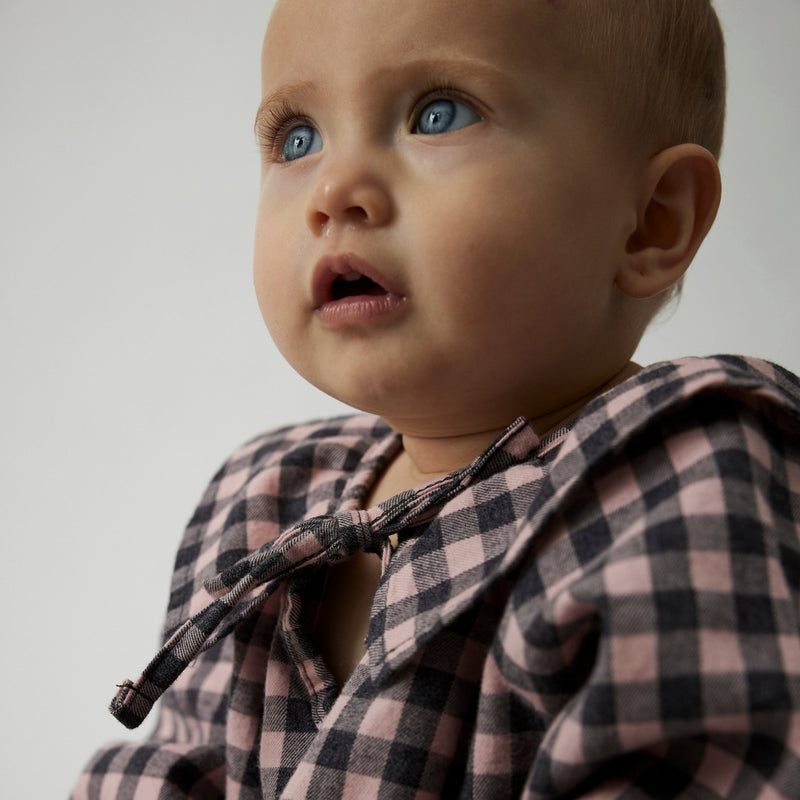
[
  {"x": 482, "y": 243},
  {"x": 264, "y": 271},
  {"x": 279, "y": 225},
  {"x": 506, "y": 275},
  {"x": 271, "y": 275}
]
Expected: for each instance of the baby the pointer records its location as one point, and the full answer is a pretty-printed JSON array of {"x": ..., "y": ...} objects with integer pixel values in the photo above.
[{"x": 530, "y": 568}]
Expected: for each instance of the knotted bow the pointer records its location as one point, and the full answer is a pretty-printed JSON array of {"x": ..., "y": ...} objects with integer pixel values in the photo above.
[{"x": 247, "y": 584}]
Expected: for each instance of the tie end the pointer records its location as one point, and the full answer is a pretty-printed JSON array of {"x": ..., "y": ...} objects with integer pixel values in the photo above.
[{"x": 130, "y": 706}]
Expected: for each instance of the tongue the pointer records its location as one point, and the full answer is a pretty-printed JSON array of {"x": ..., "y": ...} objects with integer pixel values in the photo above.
[{"x": 354, "y": 288}]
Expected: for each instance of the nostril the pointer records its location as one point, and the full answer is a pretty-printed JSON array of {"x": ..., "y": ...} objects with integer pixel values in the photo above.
[
  {"x": 356, "y": 214},
  {"x": 318, "y": 220},
  {"x": 350, "y": 199}
]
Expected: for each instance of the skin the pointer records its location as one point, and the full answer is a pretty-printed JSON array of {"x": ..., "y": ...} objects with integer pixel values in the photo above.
[
  {"x": 520, "y": 243},
  {"x": 506, "y": 236}
]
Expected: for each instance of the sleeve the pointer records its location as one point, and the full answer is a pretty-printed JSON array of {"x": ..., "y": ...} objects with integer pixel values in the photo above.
[
  {"x": 210, "y": 717},
  {"x": 668, "y": 661},
  {"x": 185, "y": 755}
]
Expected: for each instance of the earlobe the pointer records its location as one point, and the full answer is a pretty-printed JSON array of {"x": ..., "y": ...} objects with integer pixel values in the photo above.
[{"x": 680, "y": 196}]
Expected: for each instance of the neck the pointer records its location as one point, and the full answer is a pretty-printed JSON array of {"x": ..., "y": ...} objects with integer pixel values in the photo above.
[
  {"x": 425, "y": 458},
  {"x": 428, "y": 456}
]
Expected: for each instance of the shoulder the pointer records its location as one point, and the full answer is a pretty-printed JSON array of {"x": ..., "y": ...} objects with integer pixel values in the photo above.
[
  {"x": 726, "y": 421},
  {"x": 661, "y": 597},
  {"x": 708, "y": 395},
  {"x": 670, "y": 386},
  {"x": 321, "y": 444},
  {"x": 267, "y": 484},
  {"x": 291, "y": 461},
  {"x": 688, "y": 458},
  {"x": 328, "y": 441}
]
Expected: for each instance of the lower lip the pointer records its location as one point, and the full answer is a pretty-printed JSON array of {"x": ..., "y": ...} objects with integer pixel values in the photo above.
[{"x": 361, "y": 309}]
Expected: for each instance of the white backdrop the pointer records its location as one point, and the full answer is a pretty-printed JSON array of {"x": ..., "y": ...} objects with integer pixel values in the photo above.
[{"x": 133, "y": 358}]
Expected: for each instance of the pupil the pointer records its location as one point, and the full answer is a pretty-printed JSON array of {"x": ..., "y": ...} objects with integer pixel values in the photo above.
[
  {"x": 438, "y": 117},
  {"x": 299, "y": 142}
]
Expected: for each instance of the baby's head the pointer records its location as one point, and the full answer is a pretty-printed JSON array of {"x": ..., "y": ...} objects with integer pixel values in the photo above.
[{"x": 471, "y": 211}]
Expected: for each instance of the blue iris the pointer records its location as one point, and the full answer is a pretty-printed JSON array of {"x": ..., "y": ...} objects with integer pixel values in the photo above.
[
  {"x": 444, "y": 115},
  {"x": 301, "y": 141}
]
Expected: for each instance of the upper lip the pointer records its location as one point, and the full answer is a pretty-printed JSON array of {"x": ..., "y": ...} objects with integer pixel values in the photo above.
[{"x": 331, "y": 268}]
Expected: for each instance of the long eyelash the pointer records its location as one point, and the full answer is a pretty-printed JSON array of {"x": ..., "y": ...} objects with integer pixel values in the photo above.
[
  {"x": 434, "y": 88},
  {"x": 274, "y": 123}
]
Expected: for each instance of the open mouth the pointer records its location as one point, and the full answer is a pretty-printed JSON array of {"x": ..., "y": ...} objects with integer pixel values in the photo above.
[
  {"x": 354, "y": 284},
  {"x": 347, "y": 290}
]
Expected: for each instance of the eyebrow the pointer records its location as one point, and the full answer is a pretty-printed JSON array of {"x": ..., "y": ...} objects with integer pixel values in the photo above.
[{"x": 449, "y": 69}]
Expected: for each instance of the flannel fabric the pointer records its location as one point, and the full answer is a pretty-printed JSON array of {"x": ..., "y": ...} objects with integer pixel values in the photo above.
[{"x": 611, "y": 612}]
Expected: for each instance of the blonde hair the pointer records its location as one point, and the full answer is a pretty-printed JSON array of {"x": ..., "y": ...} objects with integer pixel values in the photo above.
[
  {"x": 660, "y": 62},
  {"x": 659, "y": 69}
]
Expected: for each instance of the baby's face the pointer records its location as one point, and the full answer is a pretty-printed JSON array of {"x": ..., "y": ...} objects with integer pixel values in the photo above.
[{"x": 449, "y": 152}]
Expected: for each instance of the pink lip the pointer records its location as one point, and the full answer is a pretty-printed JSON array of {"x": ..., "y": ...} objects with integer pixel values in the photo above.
[{"x": 384, "y": 299}]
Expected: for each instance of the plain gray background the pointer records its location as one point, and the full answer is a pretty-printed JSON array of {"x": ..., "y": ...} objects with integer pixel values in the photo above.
[{"x": 133, "y": 358}]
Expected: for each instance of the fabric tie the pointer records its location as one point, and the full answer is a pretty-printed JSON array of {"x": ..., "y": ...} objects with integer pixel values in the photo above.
[{"x": 247, "y": 584}]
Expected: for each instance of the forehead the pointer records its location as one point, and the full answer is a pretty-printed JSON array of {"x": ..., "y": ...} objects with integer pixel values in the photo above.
[{"x": 339, "y": 35}]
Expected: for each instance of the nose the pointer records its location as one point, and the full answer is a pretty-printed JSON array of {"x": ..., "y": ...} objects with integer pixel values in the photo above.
[{"x": 349, "y": 193}]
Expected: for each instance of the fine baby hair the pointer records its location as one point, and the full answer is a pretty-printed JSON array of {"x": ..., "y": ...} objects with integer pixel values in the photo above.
[
  {"x": 660, "y": 69},
  {"x": 661, "y": 66}
]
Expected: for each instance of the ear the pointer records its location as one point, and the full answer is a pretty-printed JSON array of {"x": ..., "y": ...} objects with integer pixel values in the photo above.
[{"x": 681, "y": 190}]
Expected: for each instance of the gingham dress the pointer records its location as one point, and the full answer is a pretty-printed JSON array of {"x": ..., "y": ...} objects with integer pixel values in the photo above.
[{"x": 612, "y": 612}]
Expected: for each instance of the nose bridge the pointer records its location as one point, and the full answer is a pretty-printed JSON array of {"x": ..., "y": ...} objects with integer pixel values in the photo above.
[{"x": 352, "y": 188}]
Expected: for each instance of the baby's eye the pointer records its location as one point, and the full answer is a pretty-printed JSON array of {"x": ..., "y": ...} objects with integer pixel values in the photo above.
[
  {"x": 444, "y": 115},
  {"x": 300, "y": 141}
]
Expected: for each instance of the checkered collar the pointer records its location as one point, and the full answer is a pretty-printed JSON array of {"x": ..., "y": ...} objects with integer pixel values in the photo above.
[
  {"x": 242, "y": 588},
  {"x": 508, "y": 484}
]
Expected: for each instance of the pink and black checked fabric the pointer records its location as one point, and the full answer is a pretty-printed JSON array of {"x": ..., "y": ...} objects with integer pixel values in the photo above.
[{"x": 611, "y": 612}]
